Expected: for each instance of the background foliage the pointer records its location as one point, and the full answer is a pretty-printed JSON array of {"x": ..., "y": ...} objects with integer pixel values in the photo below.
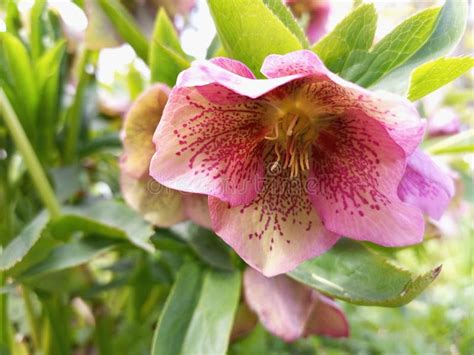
[{"x": 82, "y": 273}]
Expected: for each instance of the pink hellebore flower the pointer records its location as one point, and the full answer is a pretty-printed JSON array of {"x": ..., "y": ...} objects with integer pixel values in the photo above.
[
  {"x": 444, "y": 122},
  {"x": 291, "y": 310},
  {"x": 292, "y": 162},
  {"x": 318, "y": 11},
  {"x": 158, "y": 204}
]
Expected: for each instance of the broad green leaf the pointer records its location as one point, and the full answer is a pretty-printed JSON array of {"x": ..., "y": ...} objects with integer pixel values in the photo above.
[
  {"x": 48, "y": 75},
  {"x": 254, "y": 343},
  {"x": 285, "y": 16},
  {"x": 167, "y": 59},
  {"x": 126, "y": 26},
  {"x": 69, "y": 255},
  {"x": 18, "y": 81},
  {"x": 399, "y": 45},
  {"x": 199, "y": 312},
  {"x": 354, "y": 33},
  {"x": 21, "y": 245},
  {"x": 207, "y": 245},
  {"x": 352, "y": 273},
  {"x": 448, "y": 31},
  {"x": 108, "y": 218},
  {"x": 250, "y": 31},
  {"x": 435, "y": 74},
  {"x": 66, "y": 181}
]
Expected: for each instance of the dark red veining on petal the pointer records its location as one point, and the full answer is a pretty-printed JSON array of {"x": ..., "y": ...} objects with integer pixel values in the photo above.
[
  {"x": 282, "y": 202},
  {"x": 222, "y": 141},
  {"x": 346, "y": 166}
]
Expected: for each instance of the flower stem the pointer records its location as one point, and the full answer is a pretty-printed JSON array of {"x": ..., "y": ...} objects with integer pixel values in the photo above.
[
  {"x": 31, "y": 160},
  {"x": 74, "y": 114},
  {"x": 451, "y": 141},
  {"x": 31, "y": 317}
]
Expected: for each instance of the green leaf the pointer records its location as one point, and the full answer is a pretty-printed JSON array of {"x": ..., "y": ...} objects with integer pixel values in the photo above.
[
  {"x": 352, "y": 273},
  {"x": 126, "y": 26},
  {"x": 67, "y": 181},
  {"x": 167, "y": 59},
  {"x": 446, "y": 35},
  {"x": 69, "y": 255},
  {"x": 250, "y": 31},
  {"x": 435, "y": 74},
  {"x": 18, "y": 81},
  {"x": 287, "y": 18},
  {"x": 21, "y": 245},
  {"x": 199, "y": 312},
  {"x": 207, "y": 245},
  {"x": 354, "y": 33},
  {"x": 399, "y": 45},
  {"x": 108, "y": 218}
]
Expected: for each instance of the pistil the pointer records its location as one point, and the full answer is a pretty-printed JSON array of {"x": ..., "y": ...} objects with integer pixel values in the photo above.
[{"x": 290, "y": 146}]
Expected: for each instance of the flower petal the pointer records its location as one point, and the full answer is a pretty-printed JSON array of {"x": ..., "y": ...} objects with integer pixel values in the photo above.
[
  {"x": 327, "y": 318},
  {"x": 397, "y": 114},
  {"x": 157, "y": 204},
  {"x": 276, "y": 231},
  {"x": 444, "y": 123},
  {"x": 197, "y": 209},
  {"x": 229, "y": 74},
  {"x": 426, "y": 186},
  {"x": 356, "y": 171},
  {"x": 281, "y": 303},
  {"x": 234, "y": 66},
  {"x": 139, "y": 126},
  {"x": 318, "y": 20},
  {"x": 210, "y": 148}
]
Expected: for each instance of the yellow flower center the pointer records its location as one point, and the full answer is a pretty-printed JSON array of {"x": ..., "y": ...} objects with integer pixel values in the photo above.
[{"x": 293, "y": 130}]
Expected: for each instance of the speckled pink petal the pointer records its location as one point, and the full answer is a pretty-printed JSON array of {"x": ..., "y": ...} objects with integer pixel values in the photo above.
[
  {"x": 356, "y": 171},
  {"x": 426, "y": 186},
  {"x": 232, "y": 75},
  {"x": 197, "y": 210},
  {"x": 397, "y": 114},
  {"x": 278, "y": 230},
  {"x": 157, "y": 204},
  {"x": 210, "y": 148},
  {"x": 327, "y": 318},
  {"x": 234, "y": 66},
  {"x": 282, "y": 304},
  {"x": 139, "y": 125}
]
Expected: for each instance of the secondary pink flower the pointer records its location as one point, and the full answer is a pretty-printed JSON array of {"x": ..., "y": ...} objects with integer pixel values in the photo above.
[
  {"x": 156, "y": 203},
  {"x": 426, "y": 185},
  {"x": 318, "y": 11},
  {"x": 292, "y": 162},
  {"x": 291, "y": 310},
  {"x": 444, "y": 122}
]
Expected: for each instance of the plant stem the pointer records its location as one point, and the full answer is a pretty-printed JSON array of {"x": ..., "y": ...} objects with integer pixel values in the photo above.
[
  {"x": 31, "y": 160},
  {"x": 74, "y": 114},
  {"x": 4, "y": 326},
  {"x": 451, "y": 141},
  {"x": 32, "y": 319}
]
